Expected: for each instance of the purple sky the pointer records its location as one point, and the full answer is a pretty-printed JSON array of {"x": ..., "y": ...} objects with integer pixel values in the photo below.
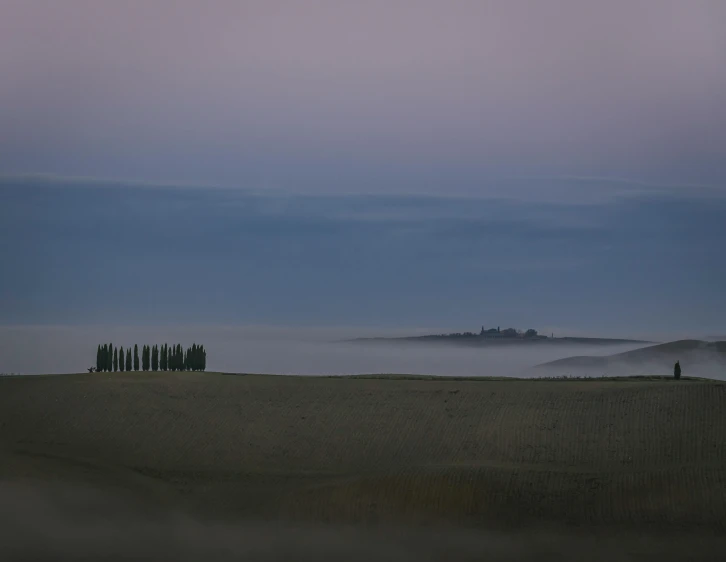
[{"x": 364, "y": 96}]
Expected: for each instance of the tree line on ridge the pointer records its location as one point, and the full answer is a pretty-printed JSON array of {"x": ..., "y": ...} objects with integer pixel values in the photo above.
[{"x": 153, "y": 358}]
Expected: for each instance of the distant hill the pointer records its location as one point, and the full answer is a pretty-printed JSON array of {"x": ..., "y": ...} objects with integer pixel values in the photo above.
[
  {"x": 476, "y": 340},
  {"x": 697, "y": 357}
]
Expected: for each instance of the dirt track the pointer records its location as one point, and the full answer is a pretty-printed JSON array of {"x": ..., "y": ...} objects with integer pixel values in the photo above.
[{"x": 590, "y": 456}]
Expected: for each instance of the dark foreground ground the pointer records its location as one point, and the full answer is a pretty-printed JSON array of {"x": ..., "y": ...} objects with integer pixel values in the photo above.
[{"x": 208, "y": 466}]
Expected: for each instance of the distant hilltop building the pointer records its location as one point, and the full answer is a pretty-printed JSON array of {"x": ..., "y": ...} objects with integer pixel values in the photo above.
[{"x": 508, "y": 333}]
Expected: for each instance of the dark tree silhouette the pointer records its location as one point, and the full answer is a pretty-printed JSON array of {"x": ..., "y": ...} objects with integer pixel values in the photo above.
[
  {"x": 109, "y": 358},
  {"x": 677, "y": 370},
  {"x": 155, "y": 358},
  {"x": 99, "y": 358},
  {"x": 128, "y": 359},
  {"x": 121, "y": 359},
  {"x": 136, "y": 357},
  {"x": 115, "y": 359}
]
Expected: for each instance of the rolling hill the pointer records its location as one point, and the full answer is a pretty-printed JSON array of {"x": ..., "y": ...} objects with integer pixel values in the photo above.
[{"x": 697, "y": 358}]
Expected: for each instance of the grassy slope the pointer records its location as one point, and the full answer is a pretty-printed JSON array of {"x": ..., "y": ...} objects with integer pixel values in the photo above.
[{"x": 640, "y": 454}]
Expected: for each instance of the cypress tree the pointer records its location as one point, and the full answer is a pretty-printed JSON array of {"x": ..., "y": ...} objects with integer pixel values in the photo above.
[
  {"x": 121, "y": 359},
  {"x": 109, "y": 358},
  {"x": 204, "y": 359},
  {"x": 128, "y": 359},
  {"x": 155, "y": 358},
  {"x": 136, "y": 357},
  {"x": 144, "y": 359},
  {"x": 163, "y": 362},
  {"x": 115, "y": 359},
  {"x": 99, "y": 359},
  {"x": 104, "y": 357}
]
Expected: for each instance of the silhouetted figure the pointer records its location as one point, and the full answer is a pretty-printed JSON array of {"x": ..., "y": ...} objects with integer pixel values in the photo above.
[{"x": 677, "y": 370}]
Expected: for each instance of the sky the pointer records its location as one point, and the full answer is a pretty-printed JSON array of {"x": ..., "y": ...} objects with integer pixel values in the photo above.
[
  {"x": 374, "y": 96},
  {"x": 392, "y": 165}
]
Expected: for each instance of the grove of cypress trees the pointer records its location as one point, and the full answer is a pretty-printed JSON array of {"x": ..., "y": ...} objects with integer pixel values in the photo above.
[
  {"x": 128, "y": 359},
  {"x": 155, "y": 358},
  {"x": 115, "y": 358},
  {"x": 121, "y": 359},
  {"x": 136, "y": 357}
]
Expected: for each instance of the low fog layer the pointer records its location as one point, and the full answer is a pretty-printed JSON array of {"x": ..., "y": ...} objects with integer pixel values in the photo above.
[
  {"x": 70, "y": 523},
  {"x": 302, "y": 351}
]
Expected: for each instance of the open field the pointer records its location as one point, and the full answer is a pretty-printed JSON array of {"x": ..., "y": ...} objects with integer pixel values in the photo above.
[{"x": 579, "y": 458}]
